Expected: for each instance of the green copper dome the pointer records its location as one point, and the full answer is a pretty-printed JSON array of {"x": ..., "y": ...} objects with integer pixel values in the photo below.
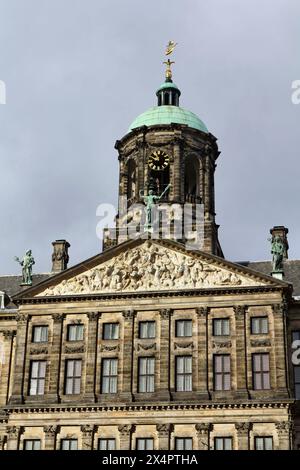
[{"x": 167, "y": 115}]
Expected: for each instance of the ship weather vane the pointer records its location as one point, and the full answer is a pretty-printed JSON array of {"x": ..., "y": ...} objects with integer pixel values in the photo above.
[{"x": 169, "y": 50}]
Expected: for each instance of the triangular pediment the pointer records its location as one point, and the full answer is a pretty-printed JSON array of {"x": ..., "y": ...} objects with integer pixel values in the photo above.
[{"x": 146, "y": 266}]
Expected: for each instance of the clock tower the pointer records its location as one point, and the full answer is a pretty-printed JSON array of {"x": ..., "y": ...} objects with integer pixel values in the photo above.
[{"x": 168, "y": 150}]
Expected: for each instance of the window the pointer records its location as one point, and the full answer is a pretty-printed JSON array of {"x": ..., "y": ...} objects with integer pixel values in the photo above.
[
  {"x": 110, "y": 330},
  {"x": 259, "y": 326},
  {"x": 144, "y": 444},
  {"x": 183, "y": 328},
  {"x": 37, "y": 377},
  {"x": 222, "y": 375},
  {"x": 73, "y": 376},
  {"x": 109, "y": 376},
  {"x": 32, "y": 444},
  {"x": 261, "y": 371},
  {"x": 147, "y": 329},
  {"x": 75, "y": 332},
  {"x": 184, "y": 373},
  {"x": 263, "y": 443},
  {"x": 183, "y": 443},
  {"x": 223, "y": 443},
  {"x": 40, "y": 334},
  {"x": 221, "y": 327},
  {"x": 106, "y": 444},
  {"x": 68, "y": 444},
  {"x": 296, "y": 337},
  {"x": 146, "y": 374}
]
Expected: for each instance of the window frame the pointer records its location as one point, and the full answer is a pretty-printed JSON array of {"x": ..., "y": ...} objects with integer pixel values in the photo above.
[
  {"x": 111, "y": 378},
  {"x": 185, "y": 321},
  {"x": 222, "y": 373},
  {"x": 260, "y": 319},
  {"x": 37, "y": 379},
  {"x": 33, "y": 442},
  {"x": 107, "y": 325},
  {"x": 107, "y": 440},
  {"x": 76, "y": 326},
  {"x": 221, "y": 321},
  {"x": 184, "y": 439},
  {"x": 223, "y": 439},
  {"x": 146, "y": 323},
  {"x": 74, "y": 379},
  {"x": 184, "y": 374},
  {"x": 64, "y": 440},
  {"x": 146, "y": 441},
  {"x": 263, "y": 438},
  {"x": 34, "y": 329},
  {"x": 261, "y": 373},
  {"x": 149, "y": 377}
]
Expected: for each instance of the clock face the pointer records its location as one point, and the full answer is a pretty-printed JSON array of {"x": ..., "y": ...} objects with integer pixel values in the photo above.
[{"x": 158, "y": 160}]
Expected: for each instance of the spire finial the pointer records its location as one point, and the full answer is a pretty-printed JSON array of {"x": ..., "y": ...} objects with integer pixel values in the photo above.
[{"x": 169, "y": 50}]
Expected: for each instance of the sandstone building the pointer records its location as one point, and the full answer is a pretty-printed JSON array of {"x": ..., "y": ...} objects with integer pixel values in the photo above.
[{"x": 150, "y": 345}]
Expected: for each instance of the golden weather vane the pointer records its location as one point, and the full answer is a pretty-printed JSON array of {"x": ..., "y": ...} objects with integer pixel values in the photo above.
[{"x": 169, "y": 49}]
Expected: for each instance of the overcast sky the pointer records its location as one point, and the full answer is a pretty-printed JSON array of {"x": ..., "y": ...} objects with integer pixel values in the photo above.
[{"x": 78, "y": 72}]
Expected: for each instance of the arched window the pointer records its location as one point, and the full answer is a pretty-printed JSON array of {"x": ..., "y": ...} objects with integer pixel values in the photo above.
[
  {"x": 131, "y": 181},
  {"x": 191, "y": 178}
]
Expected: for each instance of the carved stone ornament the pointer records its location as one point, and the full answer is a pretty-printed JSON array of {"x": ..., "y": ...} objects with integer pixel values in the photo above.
[
  {"x": 8, "y": 334},
  {"x": 239, "y": 310},
  {"x": 203, "y": 428},
  {"x": 87, "y": 430},
  {"x": 243, "y": 428},
  {"x": 284, "y": 427},
  {"x": 221, "y": 344},
  {"x": 93, "y": 316},
  {"x": 75, "y": 349},
  {"x": 202, "y": 311},
  {"x": 13, "y": 432},
  {"x": 37, "y": 350},
  {"x": 189, "y": 345},
  {"x": 51, "y": 430},
  {"x": 256, "y": 343},
  {"x": 126, "y": 429},
  {"x": 146, "y": 347},
  {"x": 106, "y": 348},
  {"x": 58, "y": 317},
  {"x": 21, "y": 318},
  {"x": 164, "y": 429},
  {"x": 128, "y": 314},
  {"x": 150, "y": 267},
  {"x": 165, "y": 313}
]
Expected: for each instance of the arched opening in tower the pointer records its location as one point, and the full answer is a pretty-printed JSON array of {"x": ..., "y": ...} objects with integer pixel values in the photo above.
[
  {"x": 191, "y": 179},
  {"x": 159, "y": 180},
  {"x": 131, "y": 181}
]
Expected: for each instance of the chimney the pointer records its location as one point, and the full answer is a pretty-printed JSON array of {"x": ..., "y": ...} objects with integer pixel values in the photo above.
[
  {"x": 60, "y": 256},
  {"x": 280, "y": 249}
]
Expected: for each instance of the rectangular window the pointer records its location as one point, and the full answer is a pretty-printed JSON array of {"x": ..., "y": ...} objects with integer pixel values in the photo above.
[
  {"x": 37, "y": 377},
  {"x": 223, "y": 443},
  {"x": 106, "y": 444},
  {"x": 222, "y": 374},
  {"x": 263, "y": 443},
  {"x": 146, "y": 329},
  {"x": 73, "y": 376},
  {"x": 296, "y": 335},
  {"x": 109, "y": 375},
  {"x": 32, "y": 444},
  {"x": 110, "y": 330},
  {"x": 40, "y": 334},
  {"x": 259, "y": 326},
  {"x": 183, "y": 328},
  {"x": 183, "y": 443},
  {"x": 68, "y": 444},
  {"x": 75, "y": 332},
  {"x": 146, "y": 374},
  {"x": 221, "y": 327},
  {"x": 261, "y": 371},
  {"x": 144, "y": 444},
  {"x": 183, "y": 373}
]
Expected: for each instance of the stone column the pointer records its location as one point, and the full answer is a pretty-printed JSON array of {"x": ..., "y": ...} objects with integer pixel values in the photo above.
[
  {"x": 20, "y": 357},
  {"x": 164, "y": 385},
  {"x": 280, "y": 312},
  {"x": 202, "y": 341},
  {"x": 50, "y": 436},
  {"x": 203, "y": 434},
  {"x": 87, "y": 437},
  {"x": 2, "y": 442},
  {"x": 164, "y": 434},
  {"x": 126, "y": 431},
  {"x": 241, "y": 368},
  {"x": 54, "y": 384},
  {"x": 284, "y": 435},
  {"x": 91, "y": 356},
  {"x": 13, "y": 436},
  {"x": 243, "y": 430},
  {"x": 126, "y": 393},
  {"x": 5, "y": 377}
]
